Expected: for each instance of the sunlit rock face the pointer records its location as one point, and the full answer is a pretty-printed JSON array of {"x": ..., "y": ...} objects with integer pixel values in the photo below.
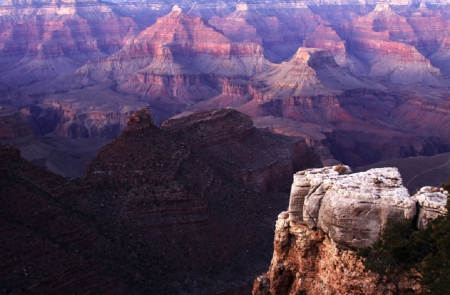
[
  {"x": 333, "y": 212},
  {"x": 308, "y": 261},
  {"x": 351, "y": 208},
  {"x": 310, "y": 72}
]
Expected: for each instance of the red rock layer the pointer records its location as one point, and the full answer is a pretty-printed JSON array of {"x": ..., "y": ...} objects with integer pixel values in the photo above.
[
  {"x": 178, "y": 61},
  {"x": 279, "y": 30},
  {"x": 430, "y": 28},
  {"x": 384, "y": 40},
  {"x": 325, "y": 37},
  {"x": 384, "y": 22},
  {"x": 175, "y": 34},
  {"x": 307, "y": 261},
  {"x": 51, "y": 39},
  {"x": 237, "y": 29},
  {"x": 183, "y": 62},
  {"x": 402, "y": 63}
]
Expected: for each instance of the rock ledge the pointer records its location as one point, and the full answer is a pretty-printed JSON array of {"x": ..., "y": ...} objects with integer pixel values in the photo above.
[{"x": 354, "y": 208}]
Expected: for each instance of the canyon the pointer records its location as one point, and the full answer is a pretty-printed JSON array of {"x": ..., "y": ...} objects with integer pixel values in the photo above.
[
  {"x": 186, "y": 207},
  {"x": 148, "y": 146},
  {"x": 362, "y": 82}
]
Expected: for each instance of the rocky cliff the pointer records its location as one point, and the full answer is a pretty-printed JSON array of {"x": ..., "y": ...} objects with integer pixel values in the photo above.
[
  {"x": 172, "y": 210},
  {"x": 253, "y": 156},
  {"x": 331, "y": 214}
]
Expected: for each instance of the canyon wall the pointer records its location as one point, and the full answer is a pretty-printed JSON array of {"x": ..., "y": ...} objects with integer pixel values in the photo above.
[
  {"x": 185, "y": 208},
  {"x": 253, "y": 156},
  {"x": 367, "y": 80},
  {"x": 332, "y": 213}
]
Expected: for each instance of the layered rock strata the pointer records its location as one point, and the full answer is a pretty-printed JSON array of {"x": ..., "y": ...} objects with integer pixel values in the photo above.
[
  {"x": 331, "y": 214},
  {"x": 178, "y": 56},
  {"x": 385, "y": 41},
  {"x": 215, "y": 54},
  {"x": 232, "y": 146},
  {"x": 310, "y": 72},
  {"x": 157, "y": 213},
  {"x": 42, "y": 40}
]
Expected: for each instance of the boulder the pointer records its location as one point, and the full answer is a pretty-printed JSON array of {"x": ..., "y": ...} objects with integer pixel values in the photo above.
[{"x": 352, "y": 208}]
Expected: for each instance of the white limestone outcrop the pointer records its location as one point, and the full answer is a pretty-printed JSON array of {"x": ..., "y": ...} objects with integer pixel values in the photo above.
[
  {"x": 354, "y": 208},
  {"x": 431, "y": 203}
]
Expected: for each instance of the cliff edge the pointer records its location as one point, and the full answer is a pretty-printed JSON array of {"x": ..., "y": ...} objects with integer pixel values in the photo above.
[{"x": 331, "y": 214}]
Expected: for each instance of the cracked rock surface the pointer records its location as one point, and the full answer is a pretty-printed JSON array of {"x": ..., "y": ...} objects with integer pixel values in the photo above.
[
  {"x": 331, "y": 214},
  {"x": 351, "y": 208}
]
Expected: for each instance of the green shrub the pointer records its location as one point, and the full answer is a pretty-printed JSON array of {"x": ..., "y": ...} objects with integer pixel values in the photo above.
[{"x": 422, "y": 255}]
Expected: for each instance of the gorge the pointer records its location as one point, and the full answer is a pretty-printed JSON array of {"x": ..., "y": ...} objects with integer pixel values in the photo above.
[
  {"x": 362, "y": 82},
  {"x": 146, "y": 147}
]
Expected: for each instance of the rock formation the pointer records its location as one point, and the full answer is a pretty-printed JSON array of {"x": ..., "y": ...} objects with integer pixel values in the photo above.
[
  {"x": 331, "y": 214},
  {"x": 177, "y": 62},
  {"x": 325, "y": 37},
  {"x": 308, "y": 261},
  {"x": 352, "y": 209},
  {"x": 375, "y": 89},
  {"x": 41, "y": 40},
  {"x": 279, "y": 29},
  {"x": 310, "y": 72},
  {"x": 431, "y": 203},
  {"x": 182, "y": 208},
  {"x": 180, "y": 44},
  {"x": 253, "y": 156},
  {"x": 385, "y": 41}
]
